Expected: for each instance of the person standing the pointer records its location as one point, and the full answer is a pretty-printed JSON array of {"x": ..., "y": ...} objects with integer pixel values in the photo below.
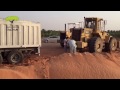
[
  {"x": 65, "y": 44},
  {"x": 72, "y": 45}
]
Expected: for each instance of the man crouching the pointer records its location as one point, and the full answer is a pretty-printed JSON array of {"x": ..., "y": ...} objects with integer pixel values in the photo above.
[{"x": 72, "y": 45}]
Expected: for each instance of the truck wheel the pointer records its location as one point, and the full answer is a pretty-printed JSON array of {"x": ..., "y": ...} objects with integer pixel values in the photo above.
[
  {"x": 15, "y": 57},
  {"x": 95, "y": 45},
  {"x": 1, "y": 59},
  {"x": 112, "y": 46}
]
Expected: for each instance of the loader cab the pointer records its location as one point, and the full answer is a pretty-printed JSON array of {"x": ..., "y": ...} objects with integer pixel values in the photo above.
[{"x": 94, "y": 23}]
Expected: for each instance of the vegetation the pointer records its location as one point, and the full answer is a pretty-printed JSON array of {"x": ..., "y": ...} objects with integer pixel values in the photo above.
[
  {"x": 114, "y": 33},
  {"x": 47, "y": 33}
]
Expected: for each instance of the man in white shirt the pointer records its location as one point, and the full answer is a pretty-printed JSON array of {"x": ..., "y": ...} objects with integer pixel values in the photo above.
[{"x": 72, "y": 45}]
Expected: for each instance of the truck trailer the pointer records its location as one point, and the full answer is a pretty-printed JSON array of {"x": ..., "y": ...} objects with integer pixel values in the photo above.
[{"x": 18, "y": 39}]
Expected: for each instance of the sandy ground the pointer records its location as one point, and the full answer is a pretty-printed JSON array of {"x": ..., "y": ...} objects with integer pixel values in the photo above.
[{"x": 54, "y": 63}]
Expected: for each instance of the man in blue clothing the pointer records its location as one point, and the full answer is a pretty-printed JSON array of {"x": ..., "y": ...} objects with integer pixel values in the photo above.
[{"x": 72, "y": 45}]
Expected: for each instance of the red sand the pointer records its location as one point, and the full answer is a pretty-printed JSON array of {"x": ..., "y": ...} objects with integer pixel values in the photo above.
[
  {"x": 55, "y": 64},
  {"x": 10, "y": 74},
  {"x": 84, "y": 66}
]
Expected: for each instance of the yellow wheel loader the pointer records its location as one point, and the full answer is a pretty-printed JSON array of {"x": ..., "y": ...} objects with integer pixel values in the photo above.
[{"x": 93, "y": 36}]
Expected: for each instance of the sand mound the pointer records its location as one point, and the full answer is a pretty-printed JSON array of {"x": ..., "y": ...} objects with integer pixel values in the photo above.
[
  {"x": 10, "y": 74},
  {"x": 37, "y": 69},
  {"x": 68, "y": 66},
  {"x": 85, "y": 66}
]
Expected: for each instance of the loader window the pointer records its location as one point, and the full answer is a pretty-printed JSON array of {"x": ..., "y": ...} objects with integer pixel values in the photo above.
[{"x": 90, "y": 24}]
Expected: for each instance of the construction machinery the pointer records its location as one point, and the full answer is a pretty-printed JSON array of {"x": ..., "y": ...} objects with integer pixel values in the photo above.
[
  {"x": 93, "y": 36},
  {"x": 67, "y": 32}
]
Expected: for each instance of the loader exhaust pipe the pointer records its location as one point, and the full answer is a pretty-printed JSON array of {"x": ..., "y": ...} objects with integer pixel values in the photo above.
[
  {"x": 84, "y": 23},
  {"x": 65, "y": 27},
  {"x": 65, "y": 31}
]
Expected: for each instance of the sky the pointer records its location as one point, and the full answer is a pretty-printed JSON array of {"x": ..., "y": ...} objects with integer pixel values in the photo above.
[{"x": 55, "y": 20}]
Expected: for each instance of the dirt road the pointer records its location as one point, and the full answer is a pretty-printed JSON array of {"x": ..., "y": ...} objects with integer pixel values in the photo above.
[{"x": 51, "y": 49}]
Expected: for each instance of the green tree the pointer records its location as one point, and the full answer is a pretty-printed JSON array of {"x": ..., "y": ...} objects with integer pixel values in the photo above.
[{"x": 43, "y": 32}]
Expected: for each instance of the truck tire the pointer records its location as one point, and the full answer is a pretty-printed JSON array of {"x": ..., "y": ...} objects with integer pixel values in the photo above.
[
  {"x": 112, "y": 45},
  {"x": 15, "y": 57},
  {"x": 1, "y": 59},
  {"x": 95, "y": 45}
]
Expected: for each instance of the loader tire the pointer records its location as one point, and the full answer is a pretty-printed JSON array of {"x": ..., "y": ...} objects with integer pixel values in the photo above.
[
  {"x": 95, "y": 45},
  {"x": 1, "y": 59},
  {"x": 15, "y": 57},
  {"x": 112, "y": 45}
]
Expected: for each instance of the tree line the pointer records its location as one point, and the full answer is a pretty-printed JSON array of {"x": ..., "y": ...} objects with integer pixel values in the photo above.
[
  {"x": 47, "y": 33},
  {"x": 114, "y": 33}
]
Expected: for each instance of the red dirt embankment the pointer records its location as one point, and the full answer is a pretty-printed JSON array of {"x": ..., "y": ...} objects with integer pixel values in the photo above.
[
  {"x": 10, "y": 74},
  {"x": 85, "y": 66},
  {"x": 55, "y": 64}
]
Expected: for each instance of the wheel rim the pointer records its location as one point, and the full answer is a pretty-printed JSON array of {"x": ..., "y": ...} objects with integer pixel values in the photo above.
[
  {"x": 15, "y": 58},
  {"x": 113, "y": 46},
  {"x": 98, "y": 46}
]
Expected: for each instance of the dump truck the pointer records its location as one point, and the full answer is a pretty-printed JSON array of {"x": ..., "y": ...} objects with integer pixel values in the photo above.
[
  {"x": 93, "y": 36},
  {"x": 18, "y": 39}
]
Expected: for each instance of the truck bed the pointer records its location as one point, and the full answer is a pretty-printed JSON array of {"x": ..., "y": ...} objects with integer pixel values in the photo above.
[{"x": 24, "y": 34}]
